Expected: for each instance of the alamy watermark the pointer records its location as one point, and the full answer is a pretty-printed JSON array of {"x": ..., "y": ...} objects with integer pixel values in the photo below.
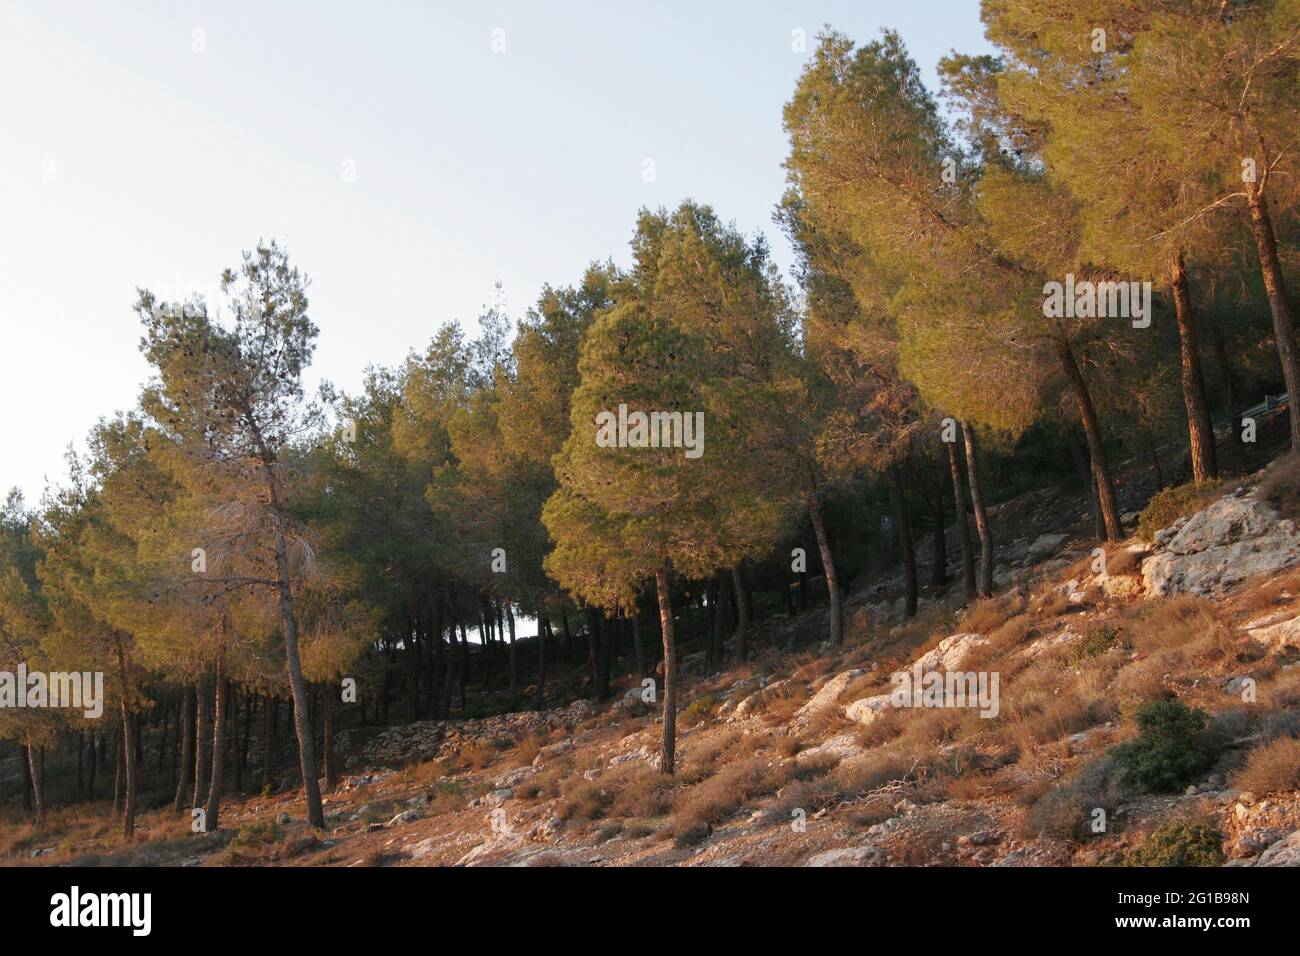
[
  {"x": 1098, "y": 300},
  {"x": 922, "y": 688},
  {"x": 651, "y": 430},
  {"x": 78, "y": 690}
]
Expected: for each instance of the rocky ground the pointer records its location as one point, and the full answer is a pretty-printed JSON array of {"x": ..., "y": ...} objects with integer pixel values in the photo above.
[{"x": 800, "y": 758}]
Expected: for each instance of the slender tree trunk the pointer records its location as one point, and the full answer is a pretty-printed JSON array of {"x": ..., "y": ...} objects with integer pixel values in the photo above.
[
  {"x": 742, "y": 616},
  {"x": 130, "y": 761},
  {"x": 25, "y": 760},
  {"x": 570, "y": 651},
  {"x": 668, "y": 750},
  {"x": 1155, "y": 462},
  {"x": 413, "y": 666},
  {"x": 162, "y": 744},
  {"x": 963, "y": 523},
  {"x": 828, "y": 565},
  {"x": 331, "y": 761},
  {"x": 212, "y": 810},
  {"x": 1280, "y": 306},
  {"x": 514, "y": 658},
  {"x": 289, "y": 626},
  {"x": 35, "y": 774},
  {"x": 906, "y": 547},
  {"x": 985, "y": 581},
  {"x": 268, "y": 741},
  {"x": 591, "y": 646},
  {"x": 1230, "y": 398},
  {"x": 201, "y": 738},
  {"x": 939, "y": 574},
  {"x": 250, "y": 704},
  {"x": 713, "y": 649},
  {"x": 543, "y": 635},
  {"x": 463, "y": 667},
  {"x": 119, "y": 782},
  {"x": 187, "y": 748},
  {"x": 1096, "y": 447},
  {"x": 638, "y": 649},
  {"x": 1086, "y": 479},
  {"x": 92, "y": 766},
  {"x": 604, "y": 643},
  {"x": 1200, "y": 431}
]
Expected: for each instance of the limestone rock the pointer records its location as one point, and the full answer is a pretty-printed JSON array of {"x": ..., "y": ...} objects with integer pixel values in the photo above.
[
  {"x": 1215, "y": 549},
  {"x": 850, "y": 856}
]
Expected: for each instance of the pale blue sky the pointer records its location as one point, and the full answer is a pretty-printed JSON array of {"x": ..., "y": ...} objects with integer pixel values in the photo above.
[{"x": 127, "y": 158}]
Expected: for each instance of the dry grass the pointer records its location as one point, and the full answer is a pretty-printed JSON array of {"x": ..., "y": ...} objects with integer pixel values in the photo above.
[
  {"x": 1273, "y": 767},
  {"x": 715, "y": 799},
  {"x": 1280, "y": 485}
]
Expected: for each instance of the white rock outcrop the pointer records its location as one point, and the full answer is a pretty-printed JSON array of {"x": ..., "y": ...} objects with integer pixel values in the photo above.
[{"x": 1217, "y": 548}]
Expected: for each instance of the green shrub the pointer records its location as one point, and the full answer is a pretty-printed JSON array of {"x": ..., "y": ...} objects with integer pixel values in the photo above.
[
  {"x": 1095, "y": 642},
  {"x": 257, "y": 834},
  {"x": 1179, "y": 843},
  {"x": 1170, "y": 504},
  {"x": 697, "y": 711},
  {"x": 1170, "y": 748}
]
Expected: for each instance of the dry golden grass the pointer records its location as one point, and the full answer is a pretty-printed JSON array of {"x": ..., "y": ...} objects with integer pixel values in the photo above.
[
  {"x": 1273, "y": 767},
  {"x": 713, "y": 800}
]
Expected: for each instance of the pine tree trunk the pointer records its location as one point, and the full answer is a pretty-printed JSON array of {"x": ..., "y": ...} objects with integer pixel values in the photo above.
[
  {"x": 906, "y": 547},
  {"x": 119, "y": 784},
  {"x": 250, "y": 704},
  {"x": 24, "y": 758},
  {"x": 462, "y": 667},
  {"x": 201, "y": 738},
  {"x": 939, "y": 572},
  {"x": 36, "y": 774},
  {"x": 832, "y": 579},
  {"x": 591, "y": 647},
  {"x": 982, "y": 529},
  {"x": 1200, "y": 432},
  {"x": 963, "y": 523},
  {"x": 668, "y": 750},
  {"x": 1096, "y": 447},
  {"x": 742, "y": 616},
  {"x": 162, "y": 743},
  {"x": 543, "y": 634},
  {"x": 130, "y": 743},
  {"x": 91, "y": 768},
  {"x": 638, "y": 650},
  {"x": 1279, "y": 305},
  {"x": 717, "y": 622},
  {"x": 268, "y": 741},
  {"x": 289, "y": 627},
  {"x": 212, "y": 810},
  {"x": 331, "y": 761},
  {"x": 1155, "y": 462},
  {"x": 186, "y": 741},
  {"x": 514, "y": 658},
  {"x": 1230, "y": 402}
]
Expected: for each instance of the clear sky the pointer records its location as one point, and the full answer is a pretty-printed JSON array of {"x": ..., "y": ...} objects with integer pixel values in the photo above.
[{"x": 404, "y": 162}]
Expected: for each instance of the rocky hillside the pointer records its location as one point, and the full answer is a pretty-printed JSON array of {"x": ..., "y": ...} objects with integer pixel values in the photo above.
[{"x": 1139, "y": 705}]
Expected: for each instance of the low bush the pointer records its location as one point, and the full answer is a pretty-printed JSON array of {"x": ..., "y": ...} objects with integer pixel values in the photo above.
[
  {"x": 1170, "y": 748},
  {"x": 1179, "y": 843}
]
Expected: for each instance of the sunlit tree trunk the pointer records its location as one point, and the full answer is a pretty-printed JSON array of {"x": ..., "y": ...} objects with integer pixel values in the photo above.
[
  {"x": 963, "y": 524},
  {"x": 1200, "y": 432},
  {"x": 668, "y": 749},
  {"x": 1280, "y": 306},
  {"x": 828, "y": 565},
  {"x": 1096, "y": 446},
  {"x": 985, "y": 580}
]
